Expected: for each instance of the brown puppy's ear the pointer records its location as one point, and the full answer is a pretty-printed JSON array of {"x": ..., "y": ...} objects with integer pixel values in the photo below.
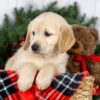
[
  {"x": 27, "y": 42},
  {"x": 66, "y": 40},
  {"x": 95, "y": 33},
  {"x": 77, "y": 48}
]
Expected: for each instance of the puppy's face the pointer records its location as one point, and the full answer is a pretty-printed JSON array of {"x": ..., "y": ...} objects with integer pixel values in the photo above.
[
  {"x": 49, "y": 33},
  {"x": 43, "y": 38}
]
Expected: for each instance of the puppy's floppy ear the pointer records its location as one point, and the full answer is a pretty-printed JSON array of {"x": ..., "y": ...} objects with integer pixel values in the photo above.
[
  {"x": 66, "y": 40},
  {"x": 27, "y": 42}
]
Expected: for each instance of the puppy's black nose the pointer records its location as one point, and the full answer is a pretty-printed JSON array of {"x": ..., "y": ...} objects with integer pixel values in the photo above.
[{"x": 35, "y": 47}]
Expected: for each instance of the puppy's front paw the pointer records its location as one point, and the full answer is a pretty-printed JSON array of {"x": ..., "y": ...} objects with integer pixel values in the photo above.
[
  {"x": 24, "y": 85},
  {"x": 43, "y": 82},
  {"x": 26, "y": 76}
]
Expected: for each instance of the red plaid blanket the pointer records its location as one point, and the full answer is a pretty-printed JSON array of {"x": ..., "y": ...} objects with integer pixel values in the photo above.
[{"x": 62, "y": 87}]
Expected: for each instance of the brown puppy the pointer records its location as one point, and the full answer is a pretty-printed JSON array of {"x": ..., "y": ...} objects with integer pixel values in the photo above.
[{"x": 88, "y": 38}]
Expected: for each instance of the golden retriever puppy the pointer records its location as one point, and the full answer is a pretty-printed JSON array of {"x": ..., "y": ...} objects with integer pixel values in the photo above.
[{"x": 49, "y": 36}]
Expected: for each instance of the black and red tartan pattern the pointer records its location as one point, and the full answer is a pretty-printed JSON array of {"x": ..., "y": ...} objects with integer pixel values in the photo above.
[{"x": 62, "y": 87}]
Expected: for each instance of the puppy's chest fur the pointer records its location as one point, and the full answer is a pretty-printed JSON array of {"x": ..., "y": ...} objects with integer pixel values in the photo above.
[{"x": 60, "y": 60}]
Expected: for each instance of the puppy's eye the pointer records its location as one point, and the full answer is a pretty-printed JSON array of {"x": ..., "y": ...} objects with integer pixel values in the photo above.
[
  {"x": 33, "y": 33},
  {"x": 47, "y": 34}
]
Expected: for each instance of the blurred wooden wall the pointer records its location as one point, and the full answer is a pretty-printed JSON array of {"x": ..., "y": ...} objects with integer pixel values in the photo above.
[{"x": 90, "y": 7}]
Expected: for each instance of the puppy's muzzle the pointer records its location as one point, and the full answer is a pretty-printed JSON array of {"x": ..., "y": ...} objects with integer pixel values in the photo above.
[{"x": 35, "y": 48}]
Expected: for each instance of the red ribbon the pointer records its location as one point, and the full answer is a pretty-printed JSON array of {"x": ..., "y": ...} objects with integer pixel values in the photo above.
[{"x": 83, "y": 60}]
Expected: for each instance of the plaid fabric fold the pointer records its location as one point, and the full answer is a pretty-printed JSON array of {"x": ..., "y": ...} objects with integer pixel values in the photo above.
[{"x": 62, "y": 87}]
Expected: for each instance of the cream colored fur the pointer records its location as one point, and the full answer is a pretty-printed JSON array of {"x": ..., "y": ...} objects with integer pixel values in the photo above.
[{"x": 52, "y": 58}]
